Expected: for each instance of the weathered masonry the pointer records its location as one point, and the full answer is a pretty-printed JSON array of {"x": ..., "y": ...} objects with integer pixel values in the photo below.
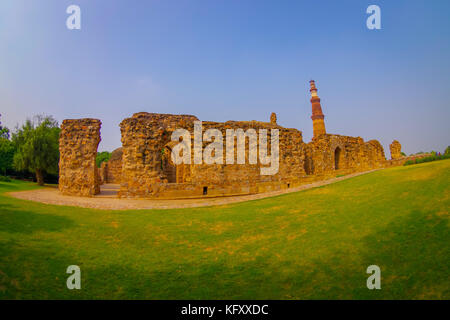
[
  {"x": 78, "y": 142},
  {"x": 144, "y": 168}
]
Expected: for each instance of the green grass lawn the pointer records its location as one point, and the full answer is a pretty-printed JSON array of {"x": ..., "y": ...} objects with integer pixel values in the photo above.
[{"x": 315, "y": 244}]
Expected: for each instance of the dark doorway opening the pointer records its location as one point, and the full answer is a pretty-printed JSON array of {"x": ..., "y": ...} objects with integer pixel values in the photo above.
[
  {"x": 168, "y": 167},
  {"x": 337, "y": 158},
  {"x": 205, "y": 191}
]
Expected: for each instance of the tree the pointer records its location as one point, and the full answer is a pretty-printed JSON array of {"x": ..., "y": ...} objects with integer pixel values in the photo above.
[
  {"x": 6, "y": 155},
  {"x": 37, "y": 147},
  {"x": 447, "y": 151},
  {"x": 6, "y": 150},
  {"x": 102, "y": 157},
  {"x": 4, "y": 132}
]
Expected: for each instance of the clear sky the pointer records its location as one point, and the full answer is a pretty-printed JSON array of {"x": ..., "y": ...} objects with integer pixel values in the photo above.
[{"x": 233, "y": 60}]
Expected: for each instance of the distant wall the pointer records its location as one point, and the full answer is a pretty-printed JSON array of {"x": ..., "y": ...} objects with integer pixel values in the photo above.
[
  {"x": 331, "y": 154},
  {"x": 111, "y": 170}
]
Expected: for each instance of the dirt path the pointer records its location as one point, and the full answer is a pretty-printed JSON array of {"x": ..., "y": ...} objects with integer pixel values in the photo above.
[{"x": 106, "y": 202}]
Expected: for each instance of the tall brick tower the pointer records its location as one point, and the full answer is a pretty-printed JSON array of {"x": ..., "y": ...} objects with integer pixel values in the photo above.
[{"x": 317, "y": 115}]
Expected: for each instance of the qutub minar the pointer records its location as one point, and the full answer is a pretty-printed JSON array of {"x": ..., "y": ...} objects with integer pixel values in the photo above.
[
  {"x": 317, "y": 115},
  {"x": 142, "y": 167}
]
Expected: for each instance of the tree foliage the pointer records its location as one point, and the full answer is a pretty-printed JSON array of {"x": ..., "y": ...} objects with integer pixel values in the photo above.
[
  {"x": 37, "y": 146},
  {"x": 6, "y": 150},
  {"x": 102, "y": 157},
  {"x": 4, "y": 132},
  {"x": 6, "y": 155}
]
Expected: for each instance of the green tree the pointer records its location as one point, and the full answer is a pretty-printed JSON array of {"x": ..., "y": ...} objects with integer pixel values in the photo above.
[
  {"x": 6, "y": 155},
  {"x": 6, "y": 150},
  {"x": 102, "y": 157},
  {"x": 4, "y": 132},
  {"x": 447, "y": 151},
  {"x": 37, "y": 146}
]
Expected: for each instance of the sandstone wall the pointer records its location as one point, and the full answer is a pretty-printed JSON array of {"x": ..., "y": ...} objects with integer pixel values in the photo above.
[
  {"x": 401, "y": 161},
  {"x": 111, "y": 170},
  {"x": 147, "y": 170},
  {"x": 144, "y": 168},
  {"x": 78, "y": 142},
  {"x": 330, "y": 153},
  {"x": 102, "y": 172},
  {"x": 396, "y": 150},
  {"x": 144, "y": 136}
]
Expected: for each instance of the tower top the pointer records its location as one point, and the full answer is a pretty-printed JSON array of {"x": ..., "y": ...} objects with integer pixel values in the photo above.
[
  {"x": 313, "y": 89},
  {"x": 317, "y": 115}
]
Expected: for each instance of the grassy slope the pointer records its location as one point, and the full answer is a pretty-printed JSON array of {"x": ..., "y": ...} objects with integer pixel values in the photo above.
[{"x": 307, "y": 245}]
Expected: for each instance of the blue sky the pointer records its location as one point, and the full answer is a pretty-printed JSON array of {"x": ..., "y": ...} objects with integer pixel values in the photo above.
[{"x": 233, "y": 60}]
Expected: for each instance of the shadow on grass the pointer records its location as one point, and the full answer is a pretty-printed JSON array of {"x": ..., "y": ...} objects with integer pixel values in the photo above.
[
  {"x": 413, "y": 254},
  {"x": 14, "y": 186},
  {"x": 17, "y": 220}
]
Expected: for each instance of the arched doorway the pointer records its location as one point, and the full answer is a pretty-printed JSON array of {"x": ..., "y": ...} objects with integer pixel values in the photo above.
[
  {"x": 169, "y": 169},
  {"x": 337, "y": 158}
]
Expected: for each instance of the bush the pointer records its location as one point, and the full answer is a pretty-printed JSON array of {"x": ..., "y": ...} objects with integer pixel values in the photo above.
[
  {"x": 4, "y": 179},
  {"x": 102, "y": 157},
  {"x": 434, "y": 157}
]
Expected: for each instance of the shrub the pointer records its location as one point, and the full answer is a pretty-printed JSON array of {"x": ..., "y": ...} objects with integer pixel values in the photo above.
[
  {"x": 434, "y": 157},
  {"x": 102, "y": 157},
  {"x": 4, "y": 179}
]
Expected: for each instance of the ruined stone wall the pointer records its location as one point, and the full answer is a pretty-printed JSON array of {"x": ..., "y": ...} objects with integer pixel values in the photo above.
[
  {"x": 401, "y": 161},
  {"x": 145, "y": 171},
  {"x": 396, "y": 150},
  {"x": 247, "y": 178},
  {"x": 78, "y": 142},
  {"x": 144, "y": 136},
  {"x": 102, "y": 173},
  {"x": 330, "y": 153},
  {"x": 144, "y": 168},
  {"x": 111, "y": 170}
]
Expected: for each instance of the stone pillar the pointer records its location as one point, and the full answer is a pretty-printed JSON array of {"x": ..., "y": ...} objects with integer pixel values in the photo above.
[
  {"x": 273, "y": 118},
  {"x": 396, "y": 150},
  {"x": 78, "y": 142}
]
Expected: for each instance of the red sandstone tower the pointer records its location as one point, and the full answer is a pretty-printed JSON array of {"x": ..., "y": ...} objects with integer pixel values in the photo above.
[{"x": 317, "y": 115}]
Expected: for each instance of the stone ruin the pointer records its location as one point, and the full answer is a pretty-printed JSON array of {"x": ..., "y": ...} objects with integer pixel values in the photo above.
[
  {"x": 78, "y": 142},
  {"x": 111, "y": 171},
  {"x": 273, "y": 118},
  {"x": 396, "y": 150},
  {"x": 144, "y": 169},
  {"x": 148, "y": 171}
]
